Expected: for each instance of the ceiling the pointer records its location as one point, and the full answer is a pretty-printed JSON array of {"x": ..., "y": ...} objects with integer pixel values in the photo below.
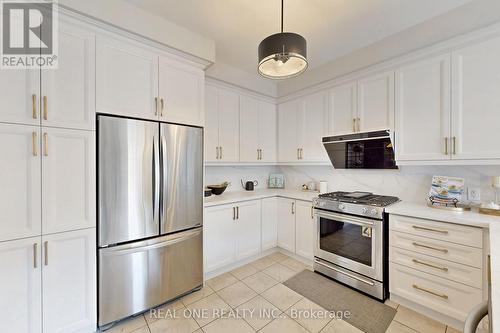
[{"x": 333, "y": 28}]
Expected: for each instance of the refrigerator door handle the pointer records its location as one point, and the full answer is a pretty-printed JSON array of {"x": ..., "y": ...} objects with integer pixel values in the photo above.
[{"x": 156, "y": 180}]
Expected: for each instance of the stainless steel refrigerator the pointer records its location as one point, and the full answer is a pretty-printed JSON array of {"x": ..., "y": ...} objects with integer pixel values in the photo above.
[{"x": 150, "y": 199}]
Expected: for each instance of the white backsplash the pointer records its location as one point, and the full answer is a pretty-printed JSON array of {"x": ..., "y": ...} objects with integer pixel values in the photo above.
[{"x": 409, "y": 183}]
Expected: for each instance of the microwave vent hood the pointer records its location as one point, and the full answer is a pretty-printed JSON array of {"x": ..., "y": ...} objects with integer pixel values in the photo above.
[{"x": 366, "y": 150}]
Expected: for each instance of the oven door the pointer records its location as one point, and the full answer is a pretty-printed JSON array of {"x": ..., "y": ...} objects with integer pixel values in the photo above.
[{"x": 352, "y": 242}]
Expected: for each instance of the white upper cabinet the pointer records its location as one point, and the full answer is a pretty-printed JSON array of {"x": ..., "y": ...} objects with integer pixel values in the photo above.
[
  {"x": 304, "y": 229},
  {"x": 376, "y": 102},
  {"x": 68, "y": 180},
  {"x": 20, "y": 102},
  {"x": 68, "y": 93},
  {"x": 423, "y": 110},
  {"x": 342, "y": 109},
  {"x": 69, "y": 281},
  {"x": 20, "y": 183},
  {"x": 247, "y": 229},
  {"x": 313, "y": 123},
  {"x": 290, "y": 130},
  {"x": 127, "y": 79},
  {"x": 211, "y": 124},
  {"x": 181, "y": 92},
  {"x": 21, "y": 285},
  {"x": 257, "y": 130},
  {"x": 476, "y": 101}
]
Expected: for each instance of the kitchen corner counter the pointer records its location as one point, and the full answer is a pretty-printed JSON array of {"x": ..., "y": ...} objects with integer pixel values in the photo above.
[{"x": 238, "y": 196}]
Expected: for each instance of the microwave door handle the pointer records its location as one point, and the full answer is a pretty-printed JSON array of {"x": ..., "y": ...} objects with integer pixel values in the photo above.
[{"x": 346, "y": 219}]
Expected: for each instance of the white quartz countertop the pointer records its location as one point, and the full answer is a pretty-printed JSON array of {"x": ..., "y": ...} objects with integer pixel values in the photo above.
[
  {"x": 238, "y": 196},
  {"x": 472, "y": 218}
]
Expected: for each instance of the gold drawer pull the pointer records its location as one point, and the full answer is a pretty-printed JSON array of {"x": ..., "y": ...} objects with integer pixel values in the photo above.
[
  {"x": 446, "y": 146},
  {"x": 454, "y": 145},
  {"x": 33, "y": 101},
  {"x": 35, "y": 255},
  {"x": 45, "y": 144},
  {"x": 430, "y": 247},
  {"x": 444, "y": 269},
  {"x": 45, "y": 108},
  {"x": 444, "y": 296},
  {"x": 34, "y": 138},
  {"x": 444, "y": 232}
]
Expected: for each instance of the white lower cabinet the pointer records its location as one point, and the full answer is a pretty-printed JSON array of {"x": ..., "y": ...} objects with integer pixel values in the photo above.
[
  {"x": 232, "y": 232},
  {"x": 286, "y": 224},
  {"x": 21, "y": 285},
  {"x": 304, "y": 229},
  {"x": 69, "y": 281},
  {"x": 58, "y": 269},
  {"x": 269, "y": 223}
]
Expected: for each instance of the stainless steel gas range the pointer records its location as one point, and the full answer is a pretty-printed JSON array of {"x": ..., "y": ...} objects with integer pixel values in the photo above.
[{"x": 351, "y": 242}]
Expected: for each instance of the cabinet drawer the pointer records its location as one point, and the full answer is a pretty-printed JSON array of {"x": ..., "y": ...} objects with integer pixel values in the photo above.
[
  {"x": 449, "y": 232},
  {"x": 442, "y": 295},
  {"x": 470, "y": 276},
  {"x": 466, "y": 255}
]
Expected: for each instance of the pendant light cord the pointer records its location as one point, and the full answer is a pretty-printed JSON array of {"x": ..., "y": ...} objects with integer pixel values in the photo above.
[{"x": 281, "y": 16}]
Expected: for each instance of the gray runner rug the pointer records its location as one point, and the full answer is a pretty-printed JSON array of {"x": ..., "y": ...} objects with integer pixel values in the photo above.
[{"x": 367, "y": 314}]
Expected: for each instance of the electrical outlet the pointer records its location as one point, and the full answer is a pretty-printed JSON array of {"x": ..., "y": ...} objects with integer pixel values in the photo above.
[{"x": 474, "y": 194}]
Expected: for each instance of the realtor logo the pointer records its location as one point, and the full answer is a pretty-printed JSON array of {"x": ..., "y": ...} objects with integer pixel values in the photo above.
[{"x": 29, "y": 34}]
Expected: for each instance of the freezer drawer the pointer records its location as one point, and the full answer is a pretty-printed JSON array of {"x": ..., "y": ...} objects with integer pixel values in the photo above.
[
  {"x": 141, "y": 275},
  {"x": 129, "y": 173},
  {"x": 182, "y": 177}
]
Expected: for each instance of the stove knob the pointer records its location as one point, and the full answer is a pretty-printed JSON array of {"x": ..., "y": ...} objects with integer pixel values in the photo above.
[
  {"x": 341, "y": 206},
  {"x": 373, "y": 212},
  {"x": 364, "y": 210}
]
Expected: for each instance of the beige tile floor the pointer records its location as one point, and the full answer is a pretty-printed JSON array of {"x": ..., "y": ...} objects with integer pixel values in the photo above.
[{"x": 257, "y": 288}]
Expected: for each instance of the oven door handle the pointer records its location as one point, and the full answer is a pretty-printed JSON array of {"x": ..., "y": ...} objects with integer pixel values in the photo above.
[
  {"x": 344, "y": 218},
  {"x": 352, "y": 276}
]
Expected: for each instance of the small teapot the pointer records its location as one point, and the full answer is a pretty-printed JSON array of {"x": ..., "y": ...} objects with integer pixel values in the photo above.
[{"x": 249, "y": 185}]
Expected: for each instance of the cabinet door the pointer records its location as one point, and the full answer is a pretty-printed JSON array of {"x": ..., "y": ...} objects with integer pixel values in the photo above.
[
  {"x": 247, "y": 229},
  {"x": 126, "y": 79},
  {"x": 249, "y": 129},
  {"x": 376, "y": 102},
  {"x": 476, "y": 101},
  {"x": 342, "y": 109},
  {"x": 288, "y": 132},
  {"x": 68, "y": 98},
  {"x": 20, "y": 183},
  {"x": 313, "y": 125},
  {"x": 423, "y": 110},
  {"x": 69, "y": 281},
  {"x": 219, "y": 237},
  {"x": 229, "y": 126},
  {"x": 304, "y": 226},
  {"x": 268, "y": 129},
  {"x": 181, "y": 92},
  {"x": 211, "y": 124},
  {"x": 68, "y": 180},
  {"x": 286, "y": 224},
  {"x": 21, "y": 285},
  {"x": 20, "y": 102},
  {"x": 269, "y": 223}
]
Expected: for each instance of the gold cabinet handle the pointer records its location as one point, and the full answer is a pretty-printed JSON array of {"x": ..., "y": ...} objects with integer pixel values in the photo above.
[
  {"x": 234, "y": 213},
  {"x": 454, "y": 145},
  {"x": 359, "y": 124},
  {"x": 45, "y": 144},
  {"x": 293, "y": 207},
  {"x": 237, "y": 212},
  {"x": 258, "y": 154},
  {"x": 298, "y": 154},
  {"x": 46, "y": 252},
  {"x": 446, "y": 145},
  {"x": 35, "y": 255},
  {"x": 217, "y": 152},
  {"x": 301, "y": 155},
  {"x": 33, "y": 102},
  {"x": 162, "y": 106},
  {"x": 354, "y": 124},
  {"x": 34, "y": 143},
  {"x": 416, "y": 227},
  {"x": 444, "y": 269},
  {"x": 156, "y": 106},
  {"x": 430, "y": 247},
  {"x": 45, "y": 108},
  {"x": 312, "y": 212},
  {"x": 220, "y": 153},
  {"x": 444, "y": 296}
]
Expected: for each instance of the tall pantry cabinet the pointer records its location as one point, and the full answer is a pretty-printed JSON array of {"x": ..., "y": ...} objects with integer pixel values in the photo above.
[{"x": 47, "y": 191}]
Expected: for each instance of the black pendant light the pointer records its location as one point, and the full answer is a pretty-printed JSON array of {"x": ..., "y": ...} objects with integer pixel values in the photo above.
[{"x": 282, "y": 55}]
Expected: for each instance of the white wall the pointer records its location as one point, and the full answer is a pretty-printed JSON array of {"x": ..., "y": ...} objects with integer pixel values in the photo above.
[{"x": 410, "y": 183}]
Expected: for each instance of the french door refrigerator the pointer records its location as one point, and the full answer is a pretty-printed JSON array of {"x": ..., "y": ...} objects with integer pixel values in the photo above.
[{"x": 150, "y": 199}]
